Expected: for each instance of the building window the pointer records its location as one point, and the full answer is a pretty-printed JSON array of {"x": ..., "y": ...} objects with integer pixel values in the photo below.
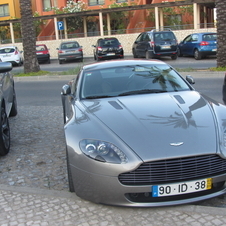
[
  {"x": 119, "y": 1},
  {"x": 47, "y": 5},
  {"x": 96, "y": 2},
  {"x": 4, "y": 10}
]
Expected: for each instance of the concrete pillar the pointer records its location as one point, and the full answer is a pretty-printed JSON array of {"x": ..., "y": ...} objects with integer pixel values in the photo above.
[
  {"x": 85, "y": 26},
  {"x": 195, "y": 15},
  {"x": 12, "y": 32},
  {"x": 161, "y": 18},
  {"x": 205, "y": 16},
  {"x": 109, "y": 24},
  {"x": 198, "y": 15},
  {"x": 156, "y": 18},
  {"x": 65, "y": 28},
  {"x": 56, "y": 29},
  {"x": 101, "y": 24}
]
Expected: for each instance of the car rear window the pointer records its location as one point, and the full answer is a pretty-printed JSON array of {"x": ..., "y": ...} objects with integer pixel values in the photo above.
[
  {"x": 209, "y": 37},
  {"x": 69, "y": 45},
  {"x": 7, "y": 50},
  {"x": 109, "y": 42},
  {"x": 40, "y": 48},
  {"x": 164, "y": 36}
]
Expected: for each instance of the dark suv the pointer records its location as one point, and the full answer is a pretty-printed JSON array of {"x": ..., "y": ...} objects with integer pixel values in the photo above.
[
  {"x": 107, "y": 48},
  {"x": 156, "y": 43}
]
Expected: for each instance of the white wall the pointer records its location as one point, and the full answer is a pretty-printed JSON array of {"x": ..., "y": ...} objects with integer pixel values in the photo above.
[{"x": 125, "y": 39}]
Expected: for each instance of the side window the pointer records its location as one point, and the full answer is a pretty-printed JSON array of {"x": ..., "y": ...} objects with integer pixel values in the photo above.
[
  {"x": 96, "y": 2},
  {"x": 140, "y": 37},
  {"x": 47, "y": 5},
  {"x": 188, "y": 39},
  {"x": 146, "y": 37},
  {"x": 194, "y": 38},
  {"x": 4, "y": 10}
]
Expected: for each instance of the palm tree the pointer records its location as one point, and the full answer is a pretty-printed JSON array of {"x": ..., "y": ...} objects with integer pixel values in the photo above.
[
  {"x": 221, "y": 33},
  {"x": 28, "y": 37}
]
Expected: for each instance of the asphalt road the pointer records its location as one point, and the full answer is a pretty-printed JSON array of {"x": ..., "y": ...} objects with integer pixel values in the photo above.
[
  {"x": 181, "y": 63},
  {"x": 46, "y": 92}
]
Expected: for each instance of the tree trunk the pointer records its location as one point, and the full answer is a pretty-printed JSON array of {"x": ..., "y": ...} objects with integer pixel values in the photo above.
[
  {"x": 28, "y": 37},
  {"x": 221, "y": 33}
]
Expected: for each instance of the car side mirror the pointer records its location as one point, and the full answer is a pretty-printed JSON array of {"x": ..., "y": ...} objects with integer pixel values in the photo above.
[
  {"x": 190, "y": 79},
  {"x": 66, "y": 90},
  {"x": 5, "y": 67}
]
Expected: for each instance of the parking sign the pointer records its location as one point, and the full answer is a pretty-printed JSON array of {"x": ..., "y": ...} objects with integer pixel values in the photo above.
[{"x": 60, "y": 25}]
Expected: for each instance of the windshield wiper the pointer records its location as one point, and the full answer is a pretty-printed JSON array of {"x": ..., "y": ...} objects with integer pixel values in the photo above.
[
  {"x": 142, "y": 92},
  {"x": 96, "y": 97}
]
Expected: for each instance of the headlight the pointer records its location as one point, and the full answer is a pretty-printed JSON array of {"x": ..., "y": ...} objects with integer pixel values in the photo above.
[{"x": 102, "y": 151}]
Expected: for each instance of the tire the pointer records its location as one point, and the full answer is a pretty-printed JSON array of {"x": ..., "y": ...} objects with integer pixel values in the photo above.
[
  {"x": 70, "y": 180},
  {"x": 134, "y": 54},
  {"x": 60, "y": 61},
  {"x": 179, "y": 52},
  {"x": 147, "y": 55},
  {"x": 4, "y": 133},
  {"x": 48, "y": 61},
  {"x": 13, "y": 111},
  {"x": 197, "y": 55},
  {"x": 174, "y": 57}
]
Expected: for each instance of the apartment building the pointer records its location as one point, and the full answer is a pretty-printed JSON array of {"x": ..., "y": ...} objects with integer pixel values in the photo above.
[{"x": 9, "y": 9}]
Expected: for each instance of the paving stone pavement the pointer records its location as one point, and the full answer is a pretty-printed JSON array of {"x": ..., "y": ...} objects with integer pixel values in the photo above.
[{"x": 34, "y": 186}]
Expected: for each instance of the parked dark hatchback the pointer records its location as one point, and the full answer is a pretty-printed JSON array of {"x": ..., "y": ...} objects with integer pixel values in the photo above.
[
  {"x": 107, "y": 48},
  {"x": 155, "y": 44},
  {"x": 199, "y": 45},
  {"x": 42, "y": 53}
]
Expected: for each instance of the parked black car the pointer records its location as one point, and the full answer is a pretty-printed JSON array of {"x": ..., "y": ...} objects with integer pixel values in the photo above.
[
  {"x": 155, "y": 43},
  {"x": 107, "y": 48},
  {"x": 8, "y": 105}
]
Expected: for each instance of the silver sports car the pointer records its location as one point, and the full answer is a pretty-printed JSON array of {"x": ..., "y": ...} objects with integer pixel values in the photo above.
[
  {"x": 138, "y": 134},
  {"x": 8, "y": 105}
]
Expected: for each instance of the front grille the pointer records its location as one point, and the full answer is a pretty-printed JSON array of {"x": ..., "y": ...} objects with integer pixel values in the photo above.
[{"x": 175, "y": 170}]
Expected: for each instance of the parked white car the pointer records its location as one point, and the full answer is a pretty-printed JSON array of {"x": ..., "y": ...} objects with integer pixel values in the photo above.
[{"x": 11, "y": 54}]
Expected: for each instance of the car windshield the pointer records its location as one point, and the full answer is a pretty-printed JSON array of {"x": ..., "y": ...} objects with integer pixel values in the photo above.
[{"x": 131, "y": 80}]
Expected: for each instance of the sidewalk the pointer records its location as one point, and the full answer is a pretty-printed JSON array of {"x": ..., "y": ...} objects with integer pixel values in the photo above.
[{"x": 38, "y": 207}]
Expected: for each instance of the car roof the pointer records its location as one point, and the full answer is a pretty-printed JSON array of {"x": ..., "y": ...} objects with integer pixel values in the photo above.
[
  {"x": 8, "y": 47},
  {"x": 203, "y": 33},
  {"x": 120, "y": 63}
]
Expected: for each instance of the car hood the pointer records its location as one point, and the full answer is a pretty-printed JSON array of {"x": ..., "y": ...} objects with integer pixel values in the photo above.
[{"x": 160, "y": 125}]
